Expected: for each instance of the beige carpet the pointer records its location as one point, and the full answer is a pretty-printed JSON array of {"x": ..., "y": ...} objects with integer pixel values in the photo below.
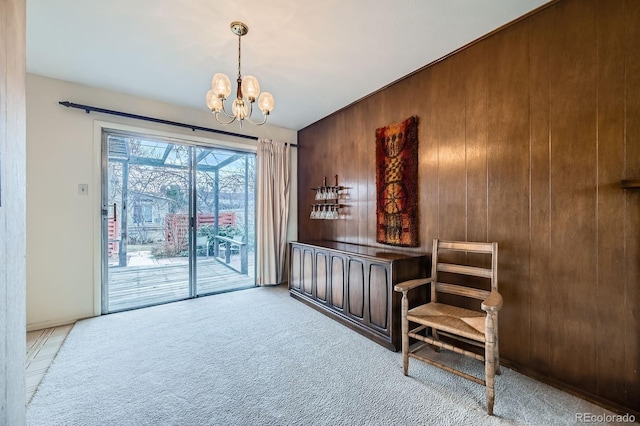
[{"x": 259, "y": 357}]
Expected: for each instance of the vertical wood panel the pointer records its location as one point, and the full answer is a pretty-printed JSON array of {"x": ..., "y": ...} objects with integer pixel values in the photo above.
[
  {"x": 421, "y": 109},
  {"x": 449, "y": 130},
  {"x": 631, "y": 304},
  {"x": 316, "y": 174},
  {"x": 428, "y": 162},
  {"x": 610, "y": 339},
  {"x": 540, "y": 232},
  {"x": 374, "y": 117},
  {"x": 476, "y": 135},
  {"x": 357, "y": 136},
  {"x": 308, "y": 148},
  {"x": 328, "y": 170},
  {"x": 508, "y": 177},
  {"x": 348, "y": 153},
  {"x": 573, "y": 194}
]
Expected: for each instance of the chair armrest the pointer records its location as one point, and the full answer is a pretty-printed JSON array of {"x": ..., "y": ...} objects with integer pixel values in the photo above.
[
  {"x": 493, "y": 303},
  {"x": 411, "y": 284}
]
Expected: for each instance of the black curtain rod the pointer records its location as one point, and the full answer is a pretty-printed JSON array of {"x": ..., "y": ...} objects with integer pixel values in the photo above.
[{"x": 193, "y": 127}]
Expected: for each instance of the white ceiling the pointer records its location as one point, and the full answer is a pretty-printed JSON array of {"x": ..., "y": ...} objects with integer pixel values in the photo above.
[{"x": 314, "y": 57}]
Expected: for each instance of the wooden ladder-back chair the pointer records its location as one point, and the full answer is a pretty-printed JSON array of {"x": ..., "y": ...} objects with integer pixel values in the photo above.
[{"x": 456, "y": 324}]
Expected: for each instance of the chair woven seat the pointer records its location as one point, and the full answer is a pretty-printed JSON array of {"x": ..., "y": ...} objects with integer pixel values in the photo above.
[{"x": 461, "y": 321}]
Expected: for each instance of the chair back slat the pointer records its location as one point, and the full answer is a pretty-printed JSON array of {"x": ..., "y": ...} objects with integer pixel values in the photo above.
[
  {"x": 465, "y": 246},
  {"x": 459, "y": 290},
  {"x": 463, "y": 269},
  {"x": 438, "y": 265}
]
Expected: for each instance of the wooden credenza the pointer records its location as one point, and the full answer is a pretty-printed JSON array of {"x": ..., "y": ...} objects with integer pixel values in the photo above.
[{"x": 354, "y": 285}]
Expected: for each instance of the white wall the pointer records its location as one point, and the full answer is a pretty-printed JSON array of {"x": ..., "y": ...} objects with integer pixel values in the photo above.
[
  {"x": 12, "y": 211},
  {"x": 63, "y": 150}
]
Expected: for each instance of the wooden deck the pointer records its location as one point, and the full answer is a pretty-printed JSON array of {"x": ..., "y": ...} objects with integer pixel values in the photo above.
[{"x": 137, "y": 286}]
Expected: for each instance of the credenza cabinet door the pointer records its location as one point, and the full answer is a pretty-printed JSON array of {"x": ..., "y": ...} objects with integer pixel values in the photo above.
[
  {"x": 379, "y": 296},
  {"x": 296, "y": 269},
  {"x": 307, "y": 271},
  {"x": 338, "y": 283},
  {"x": 322, "y": 276},
  {"x": 356, "y": 289}
]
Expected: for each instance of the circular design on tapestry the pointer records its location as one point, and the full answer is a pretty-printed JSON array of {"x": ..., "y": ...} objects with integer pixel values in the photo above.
[{"x": 394, "y": 197}]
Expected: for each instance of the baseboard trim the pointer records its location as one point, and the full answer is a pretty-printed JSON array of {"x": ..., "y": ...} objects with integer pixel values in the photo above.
[
  {"x": 53, "y": 323},
  {"x": 602, "y": 402}
]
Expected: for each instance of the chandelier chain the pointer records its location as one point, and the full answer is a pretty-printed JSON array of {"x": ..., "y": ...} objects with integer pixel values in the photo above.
[{"x": 239, "y": 40}]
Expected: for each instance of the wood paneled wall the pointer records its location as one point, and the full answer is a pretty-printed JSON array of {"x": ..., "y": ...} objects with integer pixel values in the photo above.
[{"x": 524, "y": 138}]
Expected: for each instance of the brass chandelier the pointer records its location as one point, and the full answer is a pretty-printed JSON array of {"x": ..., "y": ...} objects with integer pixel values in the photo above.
[{"x": 248, "y": 91}]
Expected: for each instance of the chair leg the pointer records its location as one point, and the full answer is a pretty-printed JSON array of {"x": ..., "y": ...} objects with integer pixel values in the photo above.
[
  {"x": 405, "y": 333},
  {"x": 496, "y": 349},
  {"x": 489, "y": 362},
  {"x": 435, "y": 348}
]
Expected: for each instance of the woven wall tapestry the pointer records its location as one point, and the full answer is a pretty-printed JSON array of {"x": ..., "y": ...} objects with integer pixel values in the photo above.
[{"x": 397, "y": 184}]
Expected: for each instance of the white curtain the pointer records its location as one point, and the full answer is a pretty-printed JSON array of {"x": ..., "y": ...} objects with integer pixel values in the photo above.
[{"x": 274, "y": 169}]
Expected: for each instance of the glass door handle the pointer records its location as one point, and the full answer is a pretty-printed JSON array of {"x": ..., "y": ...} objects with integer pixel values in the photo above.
[{"x": 105, "y": 211}]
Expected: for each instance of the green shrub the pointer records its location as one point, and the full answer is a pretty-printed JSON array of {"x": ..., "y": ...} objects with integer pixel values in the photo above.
[{"x": 229, "y": 231}]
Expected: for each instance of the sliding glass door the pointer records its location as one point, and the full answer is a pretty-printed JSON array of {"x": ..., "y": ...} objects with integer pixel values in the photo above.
[
  {"x": 178, "y": 221},
  {"x": 224, "y": 190}
]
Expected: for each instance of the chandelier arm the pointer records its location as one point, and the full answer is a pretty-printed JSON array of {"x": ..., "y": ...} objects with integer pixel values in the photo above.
[
  {"x": 230, "y": 116},
  {"x": 250, "y": 110},
  {"x": 223, "y": 122},
  {"x": 217, "y": 115},
  {"x": 256, "y": 123}
]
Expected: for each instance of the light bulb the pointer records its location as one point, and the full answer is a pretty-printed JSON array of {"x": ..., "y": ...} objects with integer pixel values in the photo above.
[
  {"x": 266, "y": 103},
  {"x": 250, "y": 87},
  {"x": 213, "y": 102},
  {"x": 221, "y": 85}
]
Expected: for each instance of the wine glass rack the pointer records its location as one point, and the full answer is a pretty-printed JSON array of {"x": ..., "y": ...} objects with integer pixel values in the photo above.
[{"x": 329, "y": 197}]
